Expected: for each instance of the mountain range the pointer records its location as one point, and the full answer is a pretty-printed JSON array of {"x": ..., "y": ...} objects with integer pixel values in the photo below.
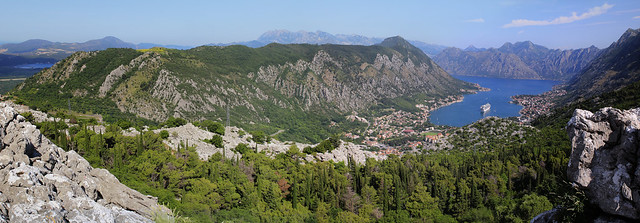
[
  {"x": 59, "y": 50},
  {"x": 320, "y": 37},
  {"x": 616, "y": 67},
  {"x": 520, "y": 60},
  {"x": 299, "y": 88}
]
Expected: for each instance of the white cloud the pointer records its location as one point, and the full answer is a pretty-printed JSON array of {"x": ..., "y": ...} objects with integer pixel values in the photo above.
[
  {"x": 636, "y": 17},
  {"x": 478, "y": 20},
  {"x": 520, "y": 32},
  {"x": 598, "y": 10}
]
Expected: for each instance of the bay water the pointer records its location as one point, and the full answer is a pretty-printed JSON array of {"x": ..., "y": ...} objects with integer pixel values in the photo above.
[{"x": 468, "y": 111}]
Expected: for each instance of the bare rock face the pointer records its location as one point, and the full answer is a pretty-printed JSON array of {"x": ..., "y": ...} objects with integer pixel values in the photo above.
[
  {"x": 40, "y": 182},
  {"x": 604, "y": 159},
  {"x": 346, "y": 150},
  {"x": 194, "y": 136}
]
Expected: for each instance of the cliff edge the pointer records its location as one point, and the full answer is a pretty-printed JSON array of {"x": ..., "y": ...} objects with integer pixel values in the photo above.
[
  {"x": 604, "y": 159},
  {"x": 40, "y": 182}
]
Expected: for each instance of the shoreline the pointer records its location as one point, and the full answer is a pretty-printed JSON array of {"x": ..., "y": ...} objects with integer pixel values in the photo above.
[{"x": 534, "y": 106}]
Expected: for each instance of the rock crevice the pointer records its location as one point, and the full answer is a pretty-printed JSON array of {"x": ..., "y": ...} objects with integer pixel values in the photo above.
[
  {"x": 40, "y": 182},
  {"x": 604, "y": 159}
]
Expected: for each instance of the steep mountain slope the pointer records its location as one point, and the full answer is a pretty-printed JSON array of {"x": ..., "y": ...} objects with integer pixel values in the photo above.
[
  {"x": 293, "y": 87},
  {"x": 522, "y": 60},
  {"x": 320, "y": 37},
  {"x": 616, "y": 67}
]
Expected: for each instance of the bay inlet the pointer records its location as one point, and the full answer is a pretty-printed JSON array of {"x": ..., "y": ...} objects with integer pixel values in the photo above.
[{"x": 468, "y": 111}]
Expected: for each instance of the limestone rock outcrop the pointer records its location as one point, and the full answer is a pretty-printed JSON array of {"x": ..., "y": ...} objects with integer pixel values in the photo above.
[
  {"x": 194, "y": 136},
  {"x": 40, "y": 182},
  {"x": 604, "y": 159}
]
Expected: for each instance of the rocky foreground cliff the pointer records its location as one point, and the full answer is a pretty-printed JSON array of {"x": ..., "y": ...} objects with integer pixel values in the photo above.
[
  {"x": 40, "y": 182},
  {"x": 605, "y": 159}
]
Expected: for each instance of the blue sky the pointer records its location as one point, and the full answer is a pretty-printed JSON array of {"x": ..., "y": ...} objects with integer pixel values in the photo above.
[{"x": 555, "y": 24}]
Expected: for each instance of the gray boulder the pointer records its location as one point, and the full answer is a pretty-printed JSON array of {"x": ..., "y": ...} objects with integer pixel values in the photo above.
[
  {"x": 40, "y": 182},
  {"x": 604, "y": 159}
]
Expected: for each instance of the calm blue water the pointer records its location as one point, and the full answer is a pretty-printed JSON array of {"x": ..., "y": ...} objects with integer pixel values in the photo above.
[
  {"x": 34, "y": 66},
  {"x": 468, "y": 111}
]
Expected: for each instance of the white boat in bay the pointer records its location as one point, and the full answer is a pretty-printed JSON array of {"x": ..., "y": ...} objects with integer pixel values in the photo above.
[{"x": 485, "y": 108}]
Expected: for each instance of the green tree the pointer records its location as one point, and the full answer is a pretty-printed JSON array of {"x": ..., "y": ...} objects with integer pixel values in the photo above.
[
  {"x": 259, "y": 137},
  {"x": 422, "y": 206},
  {"x": 164, "y": 134},
  {"x": 173, "y": 122},
  {"x": 216, "y": 140},
  {"x": 532, "y": 205},
  {"x": 212, "y": 126}
]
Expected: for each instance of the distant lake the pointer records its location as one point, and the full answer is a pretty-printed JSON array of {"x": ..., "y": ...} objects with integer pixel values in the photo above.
[
  {"x": 34, "y": 66},
  {"x": 468, "y": 111}
]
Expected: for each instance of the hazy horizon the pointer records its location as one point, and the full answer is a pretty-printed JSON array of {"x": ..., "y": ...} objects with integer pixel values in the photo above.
[{"x": 555, "y": 24}]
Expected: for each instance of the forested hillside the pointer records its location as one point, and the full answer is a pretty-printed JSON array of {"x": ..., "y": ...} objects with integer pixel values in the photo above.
[
  {"x": 305, "y": 90},
  {"x": 494, "y": 181},
  {"x": 484, "y": 178}
]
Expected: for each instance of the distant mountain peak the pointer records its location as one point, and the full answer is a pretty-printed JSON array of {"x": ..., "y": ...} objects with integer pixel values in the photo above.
[
  {"x": 394, "y": 40},
  {"x": 398, "y": 43},
  {"x": 37, "y": 41},
  {"x": 525, "y": 60},
  {"x": 45, "y": 48},
  {"x": 111, "y": 38},
  {"x": 615, "y": 67},
  {"x": 284, "y": 36},
  {"x": 472, "y": 48},
  {"x": 403, "y": 46},
  {"x": 507, "y": 44},
  {"x": 527, "y": 43},
  {"x": 630, "y": 33}
]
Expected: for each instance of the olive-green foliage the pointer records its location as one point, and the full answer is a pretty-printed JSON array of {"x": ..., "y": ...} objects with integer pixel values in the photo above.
[
  {"x": 230, "y": 67},
  {"x": 505, "y": 173},
  {"x": 625, "y": 98},
  {"x": 164, "y": 134},
  {"x": 28, "y": 116},
  {"x": 327, "y": 145},
  {"x": 45, "y": 96},
  {"x": 259, "y": 137},
  {"x": 532, "y": 205},
  {"x": 242, "y": 148},
  {"x": 7, "y": 85},
  {"x": 498, "y": 184},
  {"x": 215, "y": 140},
  {"x": 174, "y": 122},
  {"x": 212, "y": 126}
]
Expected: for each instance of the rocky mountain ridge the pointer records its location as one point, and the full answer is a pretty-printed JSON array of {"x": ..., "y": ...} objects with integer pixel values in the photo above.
[
  {"x": 520, "y": 60},
  {"x": 194, "y": 136},
  {"x": 40, "y": 182},
  {"x": 258, "y": 85},
  {"x": 320, "y": 37},
  {"x": 616, "y": 67}
]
